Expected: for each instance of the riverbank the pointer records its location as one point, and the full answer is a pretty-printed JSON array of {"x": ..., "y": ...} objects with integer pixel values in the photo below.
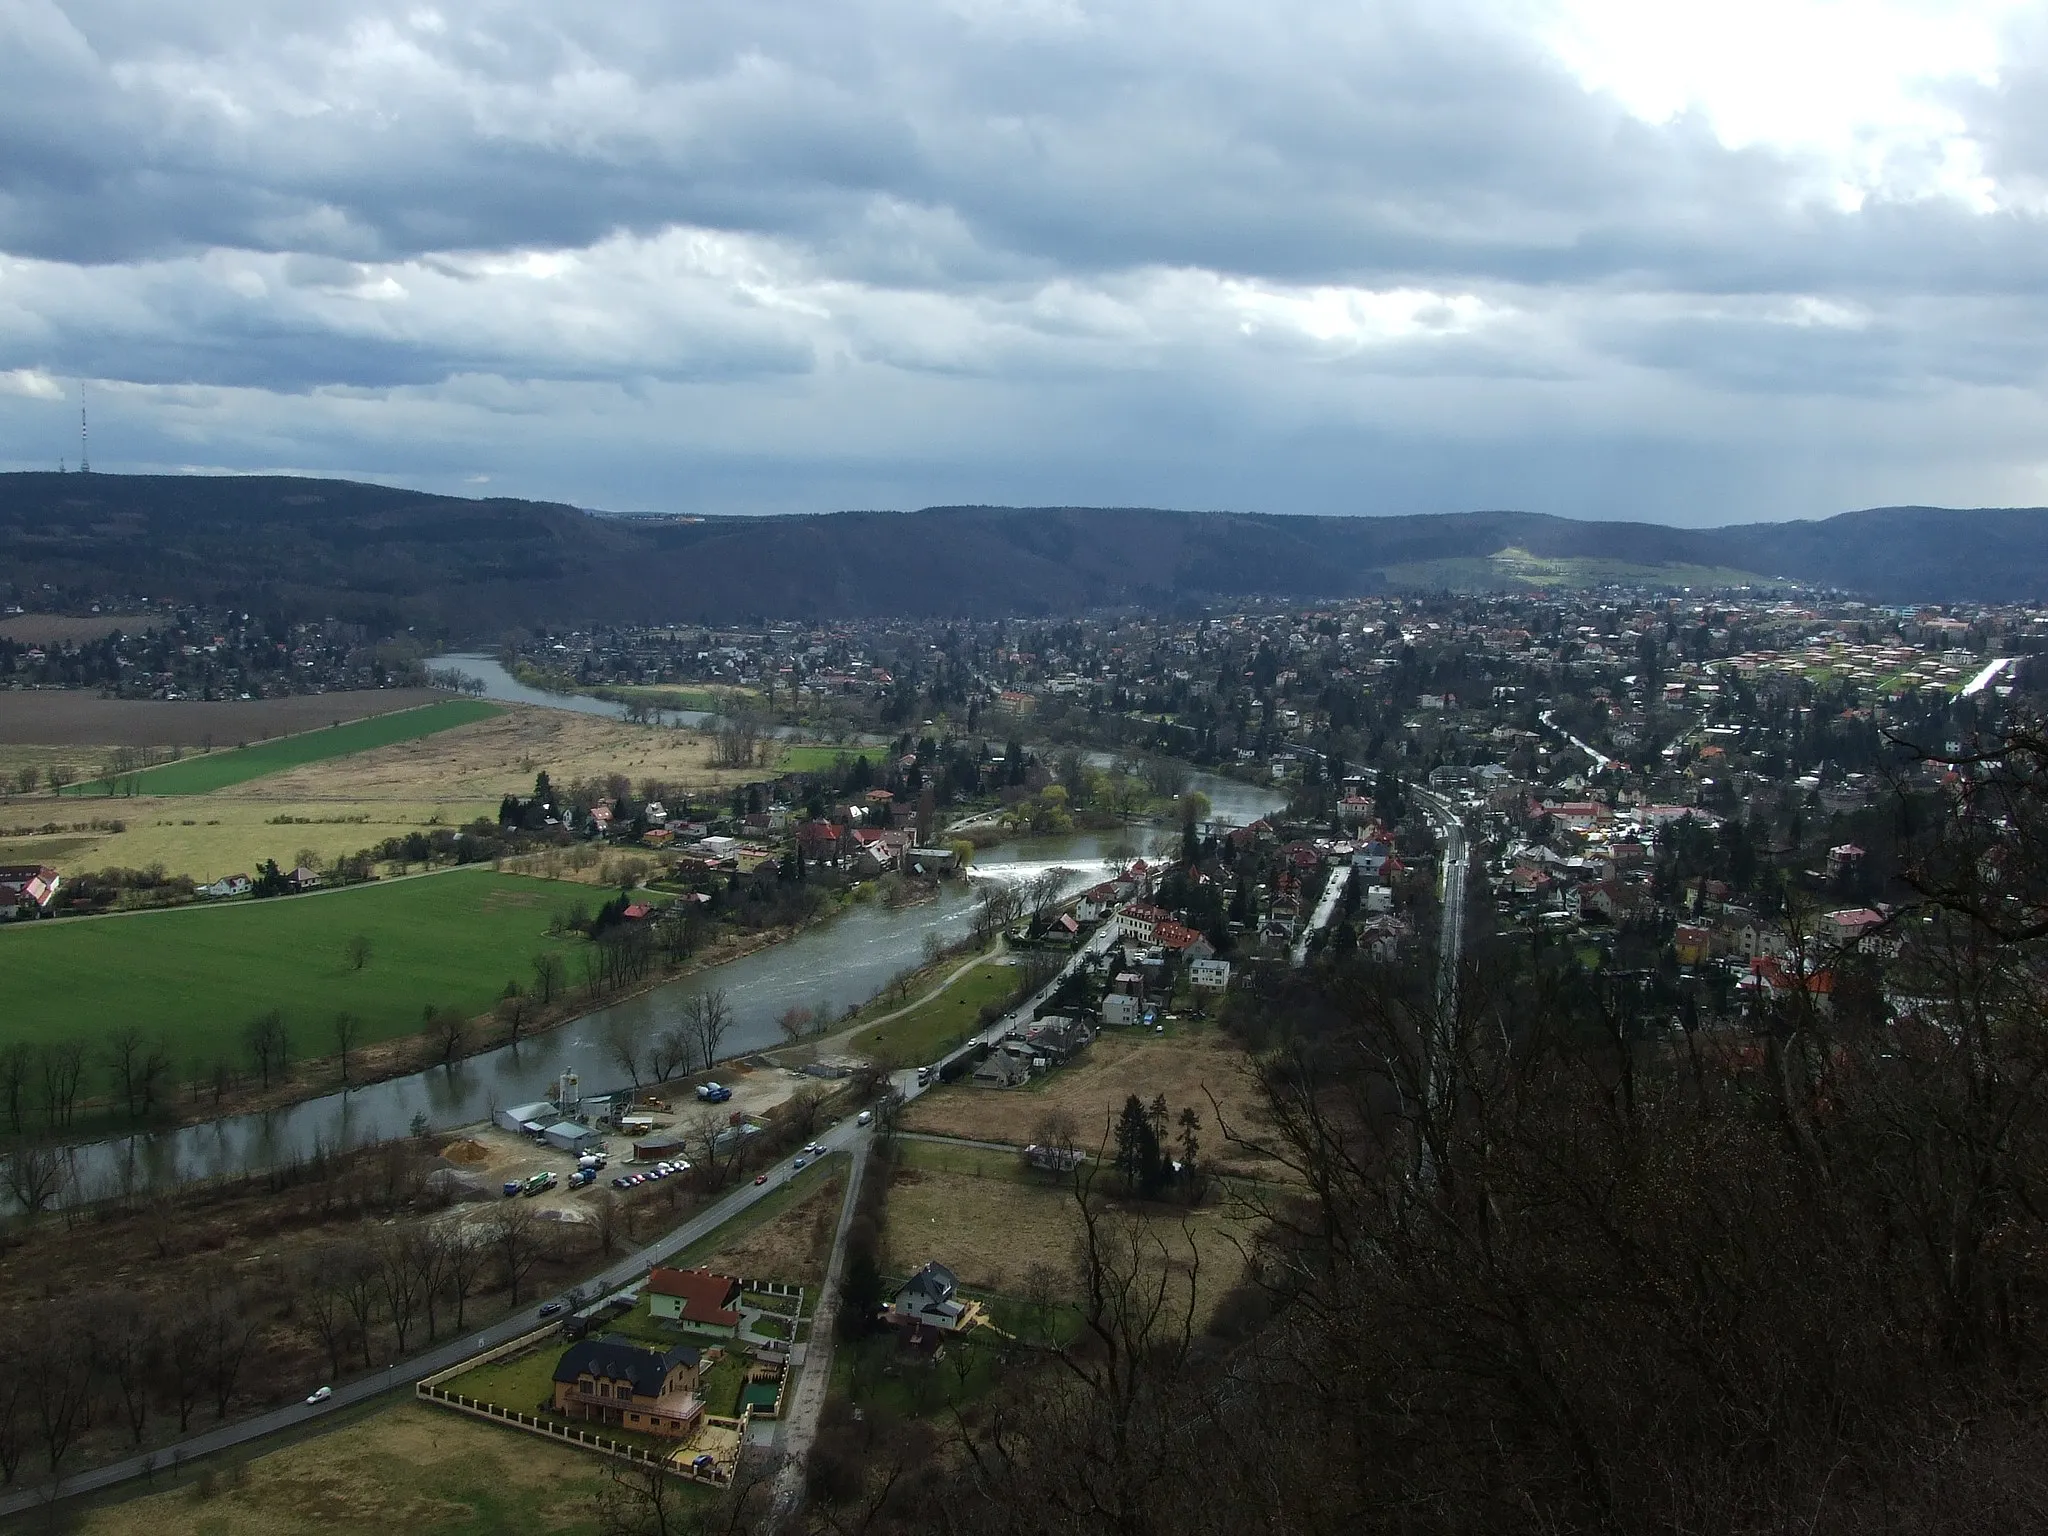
[{"x": 311, "y": 1077}]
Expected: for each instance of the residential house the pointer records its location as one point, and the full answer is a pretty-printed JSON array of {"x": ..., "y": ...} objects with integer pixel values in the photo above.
[
  {"x": 929, "y": 1299},
  {"x": 630, "y": 1386},
  {"x": 1007, "y": 1066},
  {"x": 1095, "y": 903},
  {"x": 31, "y": 886},
  {"x": 1139, "y": 920},
  {"x": 1209, "y": 975},
  {"x": 1122, "y": 1008},
  {"x": 1694, "y": 943},
  {"x": 698, "y": 1297},
  {"x": 1844, "y": 859},
  {"x": 228, "y": 885},
  {"x": 1179, "y": 939}
]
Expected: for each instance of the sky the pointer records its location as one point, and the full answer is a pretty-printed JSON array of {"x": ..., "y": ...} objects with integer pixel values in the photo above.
[{"x": 1686, "y": 263}]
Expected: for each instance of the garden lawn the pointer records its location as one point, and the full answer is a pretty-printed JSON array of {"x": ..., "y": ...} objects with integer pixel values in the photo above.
[
  {"x": 818, "y": 759},
  {"x": 520, "y": 1384},
  {"x": 208, "y": 771},
  {"x": 925, "y": 1032},
  {"x": 198, "y": 975}
]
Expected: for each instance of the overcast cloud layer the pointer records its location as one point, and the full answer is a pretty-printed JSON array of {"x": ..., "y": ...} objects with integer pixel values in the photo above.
[{"x": 1610, "y": 258}]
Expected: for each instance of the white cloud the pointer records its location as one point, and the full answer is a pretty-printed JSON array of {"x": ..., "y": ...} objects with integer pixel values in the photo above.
[{"x": 30, "y": 384}]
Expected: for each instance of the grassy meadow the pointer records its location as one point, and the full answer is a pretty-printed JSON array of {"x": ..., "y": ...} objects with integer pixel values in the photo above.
[
  {"x": 198, "y": 975},
  {"x": 209, "y": 771},
  {"x": 818, "y": 759}
]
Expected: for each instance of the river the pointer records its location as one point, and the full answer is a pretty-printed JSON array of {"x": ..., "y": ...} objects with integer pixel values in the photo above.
[{"x": 840, "y": 963}]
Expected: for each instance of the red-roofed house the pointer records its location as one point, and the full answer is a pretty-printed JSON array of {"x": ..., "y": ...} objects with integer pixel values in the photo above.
[
  {"x": 1140, "y": 920},
  {"x": 695, "y": 1296},
  {"x": 28, "y": 885}
]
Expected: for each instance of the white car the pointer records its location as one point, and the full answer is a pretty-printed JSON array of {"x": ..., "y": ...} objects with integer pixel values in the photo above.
[{"x": 321, "y": 1396}]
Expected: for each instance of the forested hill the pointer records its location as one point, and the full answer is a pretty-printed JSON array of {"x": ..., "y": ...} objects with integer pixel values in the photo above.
[{"x": 473, "y": 568}]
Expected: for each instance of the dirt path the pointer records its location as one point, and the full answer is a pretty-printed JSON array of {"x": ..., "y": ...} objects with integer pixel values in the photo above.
[{"x": 815, "y": 1366}]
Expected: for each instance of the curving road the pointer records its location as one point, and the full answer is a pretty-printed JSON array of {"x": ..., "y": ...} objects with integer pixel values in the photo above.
[{"x": 846, "y": 1135}]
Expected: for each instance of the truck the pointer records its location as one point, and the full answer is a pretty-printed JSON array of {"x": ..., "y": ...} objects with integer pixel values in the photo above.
[
  {"x": 713, "y": 1093},
  {"x": 581, "y": 1177},
  {"x": 591, "y": 1160},
  {"x": 539, "y": 1182}
]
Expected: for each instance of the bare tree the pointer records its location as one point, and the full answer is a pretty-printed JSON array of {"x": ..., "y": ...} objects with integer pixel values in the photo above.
[
  {"x": 318, "y": 1300},
  {"x": 62, "y": 1063},
  {"x": 514, "y": 1010},
  {"x": 137, "y": 1068},
  {"x": 425, "y": 1246},
  {"x": 355, "y": 1279},
  {"x": 17, "y": 1071},
  {"x": 795, "y": 1023},
  {"x": 622, "y": 1044},
  {"x": 447, "y": 1031},
  {"x": 609, "y": 1223},
  {"x": 707, "y": 1015},
  {"x": 668, "y": 1055},
  {"x": 549, "y": 971},
  {"x": 125, "y": 1338},
  {"x": 269, "y": 1045},
  {"x": 181, "y": 1374},
  {"x": 357, "y": 951},
  {"x": 466, "y": 1257},
  {"x": 709, "y": 1131},
  {"x": 1044, "y": 893},
  {"x": 348, "y": 1033},
  {"x": 60, "y": 1364},
  {"x": 515, "y": 1239},
  {"x": 16, "y": 1387},
  {"x": 398, "y": 1278},
  {"x": 230, "y": 1328},
  {"x": 1001, "y": 905},
  {"x": 35, "y": 1176}
]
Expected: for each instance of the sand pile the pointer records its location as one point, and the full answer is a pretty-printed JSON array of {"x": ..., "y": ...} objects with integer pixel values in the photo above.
[{"x": 466, "y": 1152}]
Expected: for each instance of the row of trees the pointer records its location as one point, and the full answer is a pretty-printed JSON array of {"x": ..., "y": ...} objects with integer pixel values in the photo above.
[{"x": 115, "y": 1360}]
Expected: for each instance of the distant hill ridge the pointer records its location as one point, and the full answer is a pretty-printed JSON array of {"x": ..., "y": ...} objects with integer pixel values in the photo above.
[{"x": 477, "y": 567}]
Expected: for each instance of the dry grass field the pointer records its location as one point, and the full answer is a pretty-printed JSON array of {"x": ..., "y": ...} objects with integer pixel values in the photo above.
[
  {"x": 410, "y": 1468},
  {"x": 58, "y": 628},
  {"x": 336, "y": 806},
  {"x": 1187, "y": 1068},
  {"x": 791, "y": 1248},
  {"x": 61, "y": 718},
  {"x": 990, "y": 1232},
  {"x": 500, "y": 756}
]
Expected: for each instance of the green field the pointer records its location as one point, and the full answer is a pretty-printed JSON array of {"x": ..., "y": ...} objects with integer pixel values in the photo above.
[
  {"x": 198, "y": 975},
  {"x": 818, "y": 759},
  {"x": 938, "y": 1022},
  {"x": 208, "y": 771}
]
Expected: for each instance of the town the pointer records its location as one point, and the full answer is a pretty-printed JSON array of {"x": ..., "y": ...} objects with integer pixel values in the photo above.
[{"x": 714, "y": 1205}]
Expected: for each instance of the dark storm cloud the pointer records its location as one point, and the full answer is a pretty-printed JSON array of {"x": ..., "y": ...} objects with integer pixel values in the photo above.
[{"x": 1313, "y": 256}]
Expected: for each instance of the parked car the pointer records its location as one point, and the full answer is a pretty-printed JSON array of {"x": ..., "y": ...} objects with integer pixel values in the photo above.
[
  {"x": 623, "y": 1181},
  {"x": 865, "y": 1117},
  {"x": 924, "y": 1076},
  {"x": 800, "y": 1162},
  {"x": 702, "y": 1462},
  {"x": 816, "y": 1149},
  {"x": 321, "y": 1396}
]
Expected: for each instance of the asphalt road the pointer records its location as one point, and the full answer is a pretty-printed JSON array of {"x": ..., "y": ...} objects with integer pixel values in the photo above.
[{"x": 405, "y": 1373}]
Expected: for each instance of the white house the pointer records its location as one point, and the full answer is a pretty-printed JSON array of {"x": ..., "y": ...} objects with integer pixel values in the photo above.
[{"x": 1209, "y": 975}]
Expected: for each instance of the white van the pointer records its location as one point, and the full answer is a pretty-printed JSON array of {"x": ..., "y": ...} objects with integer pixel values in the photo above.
[{"x": 864, "y": 1117}]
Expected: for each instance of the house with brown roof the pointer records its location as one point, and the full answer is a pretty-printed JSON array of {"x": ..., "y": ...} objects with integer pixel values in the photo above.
[{"x": 698, "y": 1297}]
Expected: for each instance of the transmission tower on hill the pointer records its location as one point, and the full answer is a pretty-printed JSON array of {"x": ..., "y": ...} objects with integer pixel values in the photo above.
[{"x": 84, "y": 456}]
